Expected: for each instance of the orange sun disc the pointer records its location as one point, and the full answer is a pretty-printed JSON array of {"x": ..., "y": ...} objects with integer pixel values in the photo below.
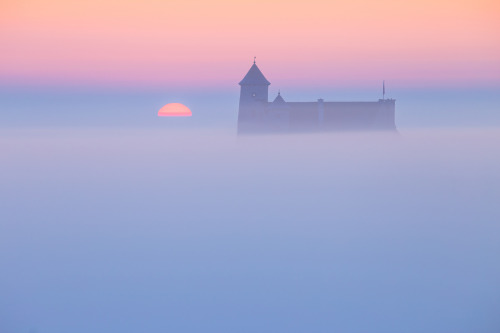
[{"x": 174, "y": 110}]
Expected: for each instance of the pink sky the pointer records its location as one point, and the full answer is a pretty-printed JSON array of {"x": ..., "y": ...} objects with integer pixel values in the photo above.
[{"x": 206, "y": 43}]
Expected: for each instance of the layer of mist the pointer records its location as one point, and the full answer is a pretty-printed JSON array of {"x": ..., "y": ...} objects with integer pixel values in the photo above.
[{"x": 156, "y": 230}]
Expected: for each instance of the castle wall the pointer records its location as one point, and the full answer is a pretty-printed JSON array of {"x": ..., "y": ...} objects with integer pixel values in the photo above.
[
  {"x": 303, "y": 116},
  {"x": 359, "y": 115},
  {"x": 341, "y": 116},
  {"x": 317, "y": 116}
]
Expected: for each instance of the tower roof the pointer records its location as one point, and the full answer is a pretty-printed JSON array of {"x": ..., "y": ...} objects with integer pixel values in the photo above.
[
  {"x": 254, "y": 77},
  {"x": 279, "y": 99}
]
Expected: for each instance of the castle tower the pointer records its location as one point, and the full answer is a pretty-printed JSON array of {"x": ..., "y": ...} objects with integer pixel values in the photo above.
[{"x": 253, "y": 97}]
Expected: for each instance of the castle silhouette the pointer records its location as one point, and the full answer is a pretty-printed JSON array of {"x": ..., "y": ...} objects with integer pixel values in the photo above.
[{"x": 258, "y": 115}]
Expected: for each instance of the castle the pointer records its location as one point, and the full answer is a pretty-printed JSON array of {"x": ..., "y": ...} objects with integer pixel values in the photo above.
[{"x": 258, "y": 115}]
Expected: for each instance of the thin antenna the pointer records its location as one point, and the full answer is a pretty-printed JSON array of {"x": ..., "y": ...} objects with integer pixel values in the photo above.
[
  {"x": 254, "y": 59},
  {"x": 383, "y": 90}
]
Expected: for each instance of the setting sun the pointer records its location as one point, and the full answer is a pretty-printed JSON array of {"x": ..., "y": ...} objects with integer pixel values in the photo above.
[{"x": 174, "y": 110}]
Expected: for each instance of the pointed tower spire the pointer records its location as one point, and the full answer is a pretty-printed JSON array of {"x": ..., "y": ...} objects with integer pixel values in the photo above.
[
  {"x": 279, "y": 100},
  {"x": 254, "y": 77}
]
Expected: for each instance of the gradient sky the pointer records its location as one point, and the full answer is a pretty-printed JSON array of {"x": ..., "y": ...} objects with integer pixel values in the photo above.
[{"x": 206, "y": 43}]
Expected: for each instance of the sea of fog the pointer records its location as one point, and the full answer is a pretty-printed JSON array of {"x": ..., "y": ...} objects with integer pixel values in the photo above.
[{"x": 171, "y": 227}]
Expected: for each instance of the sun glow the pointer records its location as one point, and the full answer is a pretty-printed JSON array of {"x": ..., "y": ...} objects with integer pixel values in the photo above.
[{"x": 174, "y": 110}]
